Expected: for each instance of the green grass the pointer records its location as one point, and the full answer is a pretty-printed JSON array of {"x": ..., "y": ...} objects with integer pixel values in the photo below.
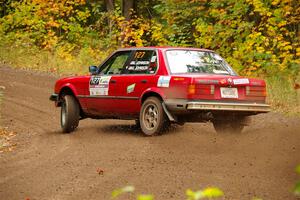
[
  {"x": 59, "y": 61},
  {"x": 282, "y": 95}
]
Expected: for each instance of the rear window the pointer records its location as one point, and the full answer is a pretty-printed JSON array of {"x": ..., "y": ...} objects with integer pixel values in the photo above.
[{"x": 193, "y": 61}]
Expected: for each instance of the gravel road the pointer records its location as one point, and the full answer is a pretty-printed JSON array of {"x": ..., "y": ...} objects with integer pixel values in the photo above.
[{"x": 47, "y": 164}]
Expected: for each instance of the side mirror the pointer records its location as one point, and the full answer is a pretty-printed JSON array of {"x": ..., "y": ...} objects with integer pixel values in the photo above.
[{"x": 93, "y": 70}]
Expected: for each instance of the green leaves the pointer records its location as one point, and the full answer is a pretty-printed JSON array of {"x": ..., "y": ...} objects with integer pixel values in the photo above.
[
  {"x": 297, "y": 186},
  {"x": 207, "y": 193},
  {"x": 145, "y": 197},
  {"x": 297, "y": 189},
  {"x": 129, "y": 189},
  {"x": 298, "y": 169},
  {"x": 118, "y": 192},
  {"x": 210, "y": 192}
]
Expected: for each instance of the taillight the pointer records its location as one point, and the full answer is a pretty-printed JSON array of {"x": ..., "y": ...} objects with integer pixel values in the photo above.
[
  {"x": 192, "y": 89},
  {"x": 247, "y": 90},
  {"x": 256, "y": 91},
  {"x": 212, "y": 89},
  {"x": 199, "y": 89},
  {"x": 265, "y": 92}
]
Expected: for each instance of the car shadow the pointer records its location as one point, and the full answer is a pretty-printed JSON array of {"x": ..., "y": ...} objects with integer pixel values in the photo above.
[
  {"x": 120, "y": 128},
  {"x": 132, "y": 129}
]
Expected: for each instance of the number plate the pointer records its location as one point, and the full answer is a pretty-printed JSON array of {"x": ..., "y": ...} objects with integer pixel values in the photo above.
[{"x": 229, "y": 93}]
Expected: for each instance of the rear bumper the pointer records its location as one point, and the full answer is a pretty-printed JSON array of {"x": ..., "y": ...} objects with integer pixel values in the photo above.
[
  {"x": 228, "y": 106},
  {"x": 185, "y": 105}
]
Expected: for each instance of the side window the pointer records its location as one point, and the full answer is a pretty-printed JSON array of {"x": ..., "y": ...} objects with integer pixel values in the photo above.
[
  {"x": 116, "y": 63},
  {"x": 142, "y": 62}
]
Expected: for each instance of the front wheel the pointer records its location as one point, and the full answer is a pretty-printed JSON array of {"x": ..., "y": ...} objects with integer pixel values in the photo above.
[
  {"x": 153, "y": 119},
  {"x": 69, "y": 114},
  {"x": 224, "y": 126}
]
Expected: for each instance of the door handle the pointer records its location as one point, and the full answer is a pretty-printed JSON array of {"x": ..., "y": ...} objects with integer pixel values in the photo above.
[
  {"x": 113, "y": 81},
  {"x": 144, "y": 81}
]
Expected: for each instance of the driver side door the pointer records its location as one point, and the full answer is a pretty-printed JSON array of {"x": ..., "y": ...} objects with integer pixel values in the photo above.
[{"x": 106, "y": 86}]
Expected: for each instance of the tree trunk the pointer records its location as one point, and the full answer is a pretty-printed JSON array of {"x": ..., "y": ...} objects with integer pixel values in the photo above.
[
  {"x": 110, "y": 9},
  {"x": 109, "y": 5},
  {"x": 127, "y": 7}
]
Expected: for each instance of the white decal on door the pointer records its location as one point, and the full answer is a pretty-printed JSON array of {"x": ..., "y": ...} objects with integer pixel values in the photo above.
[
  {"x": 99, "y": 85},
  {"x": 130, "y": 88},
  {"x": 163, "y": 81}
]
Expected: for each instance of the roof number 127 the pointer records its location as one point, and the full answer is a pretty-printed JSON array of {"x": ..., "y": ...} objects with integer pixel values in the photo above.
[{"x": 139, "y": 54}]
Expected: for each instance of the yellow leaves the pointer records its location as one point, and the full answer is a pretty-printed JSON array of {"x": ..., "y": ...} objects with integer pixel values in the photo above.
[
  {"x": 65, "y": 52},
  {"x": 298, "y": 51},
  {"x": 83, "y": 15},
  {"x": 268, "y": 14},
  {"x": 53, "y": 24},
  {"x": 282, "y": 23},
  {"x": 210, "y": 192},
  {"x": 50, "y": 40},
  {"x": 287, "y": 47},
  {"x": 275, "y": 2},
  {"x": 6, "y": 138},
  {"x": 260, "y": 49},
  {"x": 259, "y": 7}
]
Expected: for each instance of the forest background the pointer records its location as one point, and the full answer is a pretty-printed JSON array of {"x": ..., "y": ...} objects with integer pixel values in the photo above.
[{"x": 259, "y": 38}]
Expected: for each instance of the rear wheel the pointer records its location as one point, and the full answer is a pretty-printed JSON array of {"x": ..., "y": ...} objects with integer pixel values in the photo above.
[
  {"x": 69, "y": 114},
  {"x": 153, "y": 119},
  {"x": 225, "y": 126}
]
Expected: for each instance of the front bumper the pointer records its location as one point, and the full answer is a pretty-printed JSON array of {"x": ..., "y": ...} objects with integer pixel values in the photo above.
[
  {"x": 53, "y": 97},
  {"x": 185, "y": 105}
]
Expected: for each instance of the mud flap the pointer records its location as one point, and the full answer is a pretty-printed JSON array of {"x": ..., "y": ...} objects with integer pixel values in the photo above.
[{"x": 170, "y": 116}]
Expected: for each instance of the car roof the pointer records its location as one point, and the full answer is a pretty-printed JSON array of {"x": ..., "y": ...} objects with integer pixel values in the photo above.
[{"x": 164, "y": 48}]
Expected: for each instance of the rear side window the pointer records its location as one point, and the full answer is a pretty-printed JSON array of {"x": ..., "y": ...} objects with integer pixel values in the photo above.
[{"x": 142, "y": 62}]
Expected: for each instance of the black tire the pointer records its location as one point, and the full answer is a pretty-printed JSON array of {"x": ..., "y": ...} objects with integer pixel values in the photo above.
[
  {"x": 70, "y": 111},
  {"x": 224, "y": 126},
  {"x": 137, "y": 124},
  {"x": 153, "y": 120}
]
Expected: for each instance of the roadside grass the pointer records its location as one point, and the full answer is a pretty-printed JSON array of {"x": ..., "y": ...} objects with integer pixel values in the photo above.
[
  {"x": 282, "y": 95},
  {"x": 58, "y": 61}
]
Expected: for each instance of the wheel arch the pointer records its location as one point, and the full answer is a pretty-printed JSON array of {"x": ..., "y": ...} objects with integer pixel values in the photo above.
[
  {"x": 157, "y": 93},
  {"x": 151, "y": 92},
  {"x": 67, "y": 90}
]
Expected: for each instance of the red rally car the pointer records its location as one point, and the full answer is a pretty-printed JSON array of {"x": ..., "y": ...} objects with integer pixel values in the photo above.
[{"x": 157, "y": 86}]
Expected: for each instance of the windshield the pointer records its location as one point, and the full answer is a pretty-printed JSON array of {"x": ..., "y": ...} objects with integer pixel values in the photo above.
[{"x": 193, "y": 61}]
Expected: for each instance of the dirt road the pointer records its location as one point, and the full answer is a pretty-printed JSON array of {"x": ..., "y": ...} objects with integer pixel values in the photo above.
[{"x": 49, "y": 165}]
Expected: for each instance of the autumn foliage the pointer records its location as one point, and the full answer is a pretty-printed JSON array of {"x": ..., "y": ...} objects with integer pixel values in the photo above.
[{"x": 257, "y": 37}]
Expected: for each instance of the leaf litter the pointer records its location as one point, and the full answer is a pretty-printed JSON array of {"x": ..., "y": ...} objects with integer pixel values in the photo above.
[{"x": 6, "y": 143}]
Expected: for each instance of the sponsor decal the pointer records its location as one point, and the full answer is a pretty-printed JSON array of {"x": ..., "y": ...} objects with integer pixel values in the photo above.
[
  {"x": 99, "y": 85},
  {"x": 163, "y": 81},
  {"x": 230, "y": 81},
  {"x": 153, "y": 59},
  {"x": 223, "y": 81},
  {"x": 240, "y": 81},
  {"x": 130, "y": 88}
]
